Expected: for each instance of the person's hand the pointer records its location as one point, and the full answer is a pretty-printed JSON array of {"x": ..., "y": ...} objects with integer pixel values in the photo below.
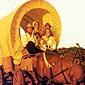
[{"x": 50, "y": 49}]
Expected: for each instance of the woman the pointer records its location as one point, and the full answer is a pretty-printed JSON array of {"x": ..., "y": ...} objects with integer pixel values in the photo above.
[
  {"x": 49, "y": 38},
  {"x": 36, "y": 26}
]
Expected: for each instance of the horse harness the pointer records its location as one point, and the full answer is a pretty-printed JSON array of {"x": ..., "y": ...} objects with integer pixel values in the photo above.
[{"x": 62, "y": 71}]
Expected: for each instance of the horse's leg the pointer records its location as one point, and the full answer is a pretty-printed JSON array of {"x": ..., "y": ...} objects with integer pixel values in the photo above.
[
  {"x": 38, "y": 69},
  {"x": 18, "y": 78},
  {"x": 41, "y": 66},
  {"x": 74, "y": 81},
  {"x": 77, "y": 73}
]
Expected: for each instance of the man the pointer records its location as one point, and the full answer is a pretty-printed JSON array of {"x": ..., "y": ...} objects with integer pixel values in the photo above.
[{"x": 28, "y": 36}]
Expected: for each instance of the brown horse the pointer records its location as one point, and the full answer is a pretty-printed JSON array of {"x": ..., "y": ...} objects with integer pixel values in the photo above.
[
  {"x": 18, "y": 78},
  {"x": 66, "y": 69}
]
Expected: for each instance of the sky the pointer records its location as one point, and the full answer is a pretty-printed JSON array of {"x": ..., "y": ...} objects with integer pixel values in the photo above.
[{"x": 72, "y": 15}]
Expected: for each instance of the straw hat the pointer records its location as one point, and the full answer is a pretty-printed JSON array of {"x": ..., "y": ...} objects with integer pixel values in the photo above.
[
  {"x": 34, "y": 23},
  {"x": 29, "y": 25}
]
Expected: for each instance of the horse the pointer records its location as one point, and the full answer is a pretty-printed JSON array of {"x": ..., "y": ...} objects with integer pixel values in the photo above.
[
  {"x": 66, "y": 69},
  {"x": 18, "y": 78}
]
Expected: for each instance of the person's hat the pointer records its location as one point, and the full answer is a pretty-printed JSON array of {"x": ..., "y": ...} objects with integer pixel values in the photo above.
[
  {"x": 34, "y": 23},
  {"x": 47, "y": 24},
  {"x": 29, "y": 25}
]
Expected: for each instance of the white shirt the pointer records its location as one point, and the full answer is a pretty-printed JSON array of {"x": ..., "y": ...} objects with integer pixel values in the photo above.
[
  {"x": 50, "y": 42},
  {"x": 26, "y": 38}
]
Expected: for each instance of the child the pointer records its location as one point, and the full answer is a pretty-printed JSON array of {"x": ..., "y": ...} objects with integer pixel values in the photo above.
[{"x": 43, "y": 45}]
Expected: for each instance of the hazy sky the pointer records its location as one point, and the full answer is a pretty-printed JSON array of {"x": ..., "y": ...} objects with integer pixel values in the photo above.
[{"x": 72, "y": 14}]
